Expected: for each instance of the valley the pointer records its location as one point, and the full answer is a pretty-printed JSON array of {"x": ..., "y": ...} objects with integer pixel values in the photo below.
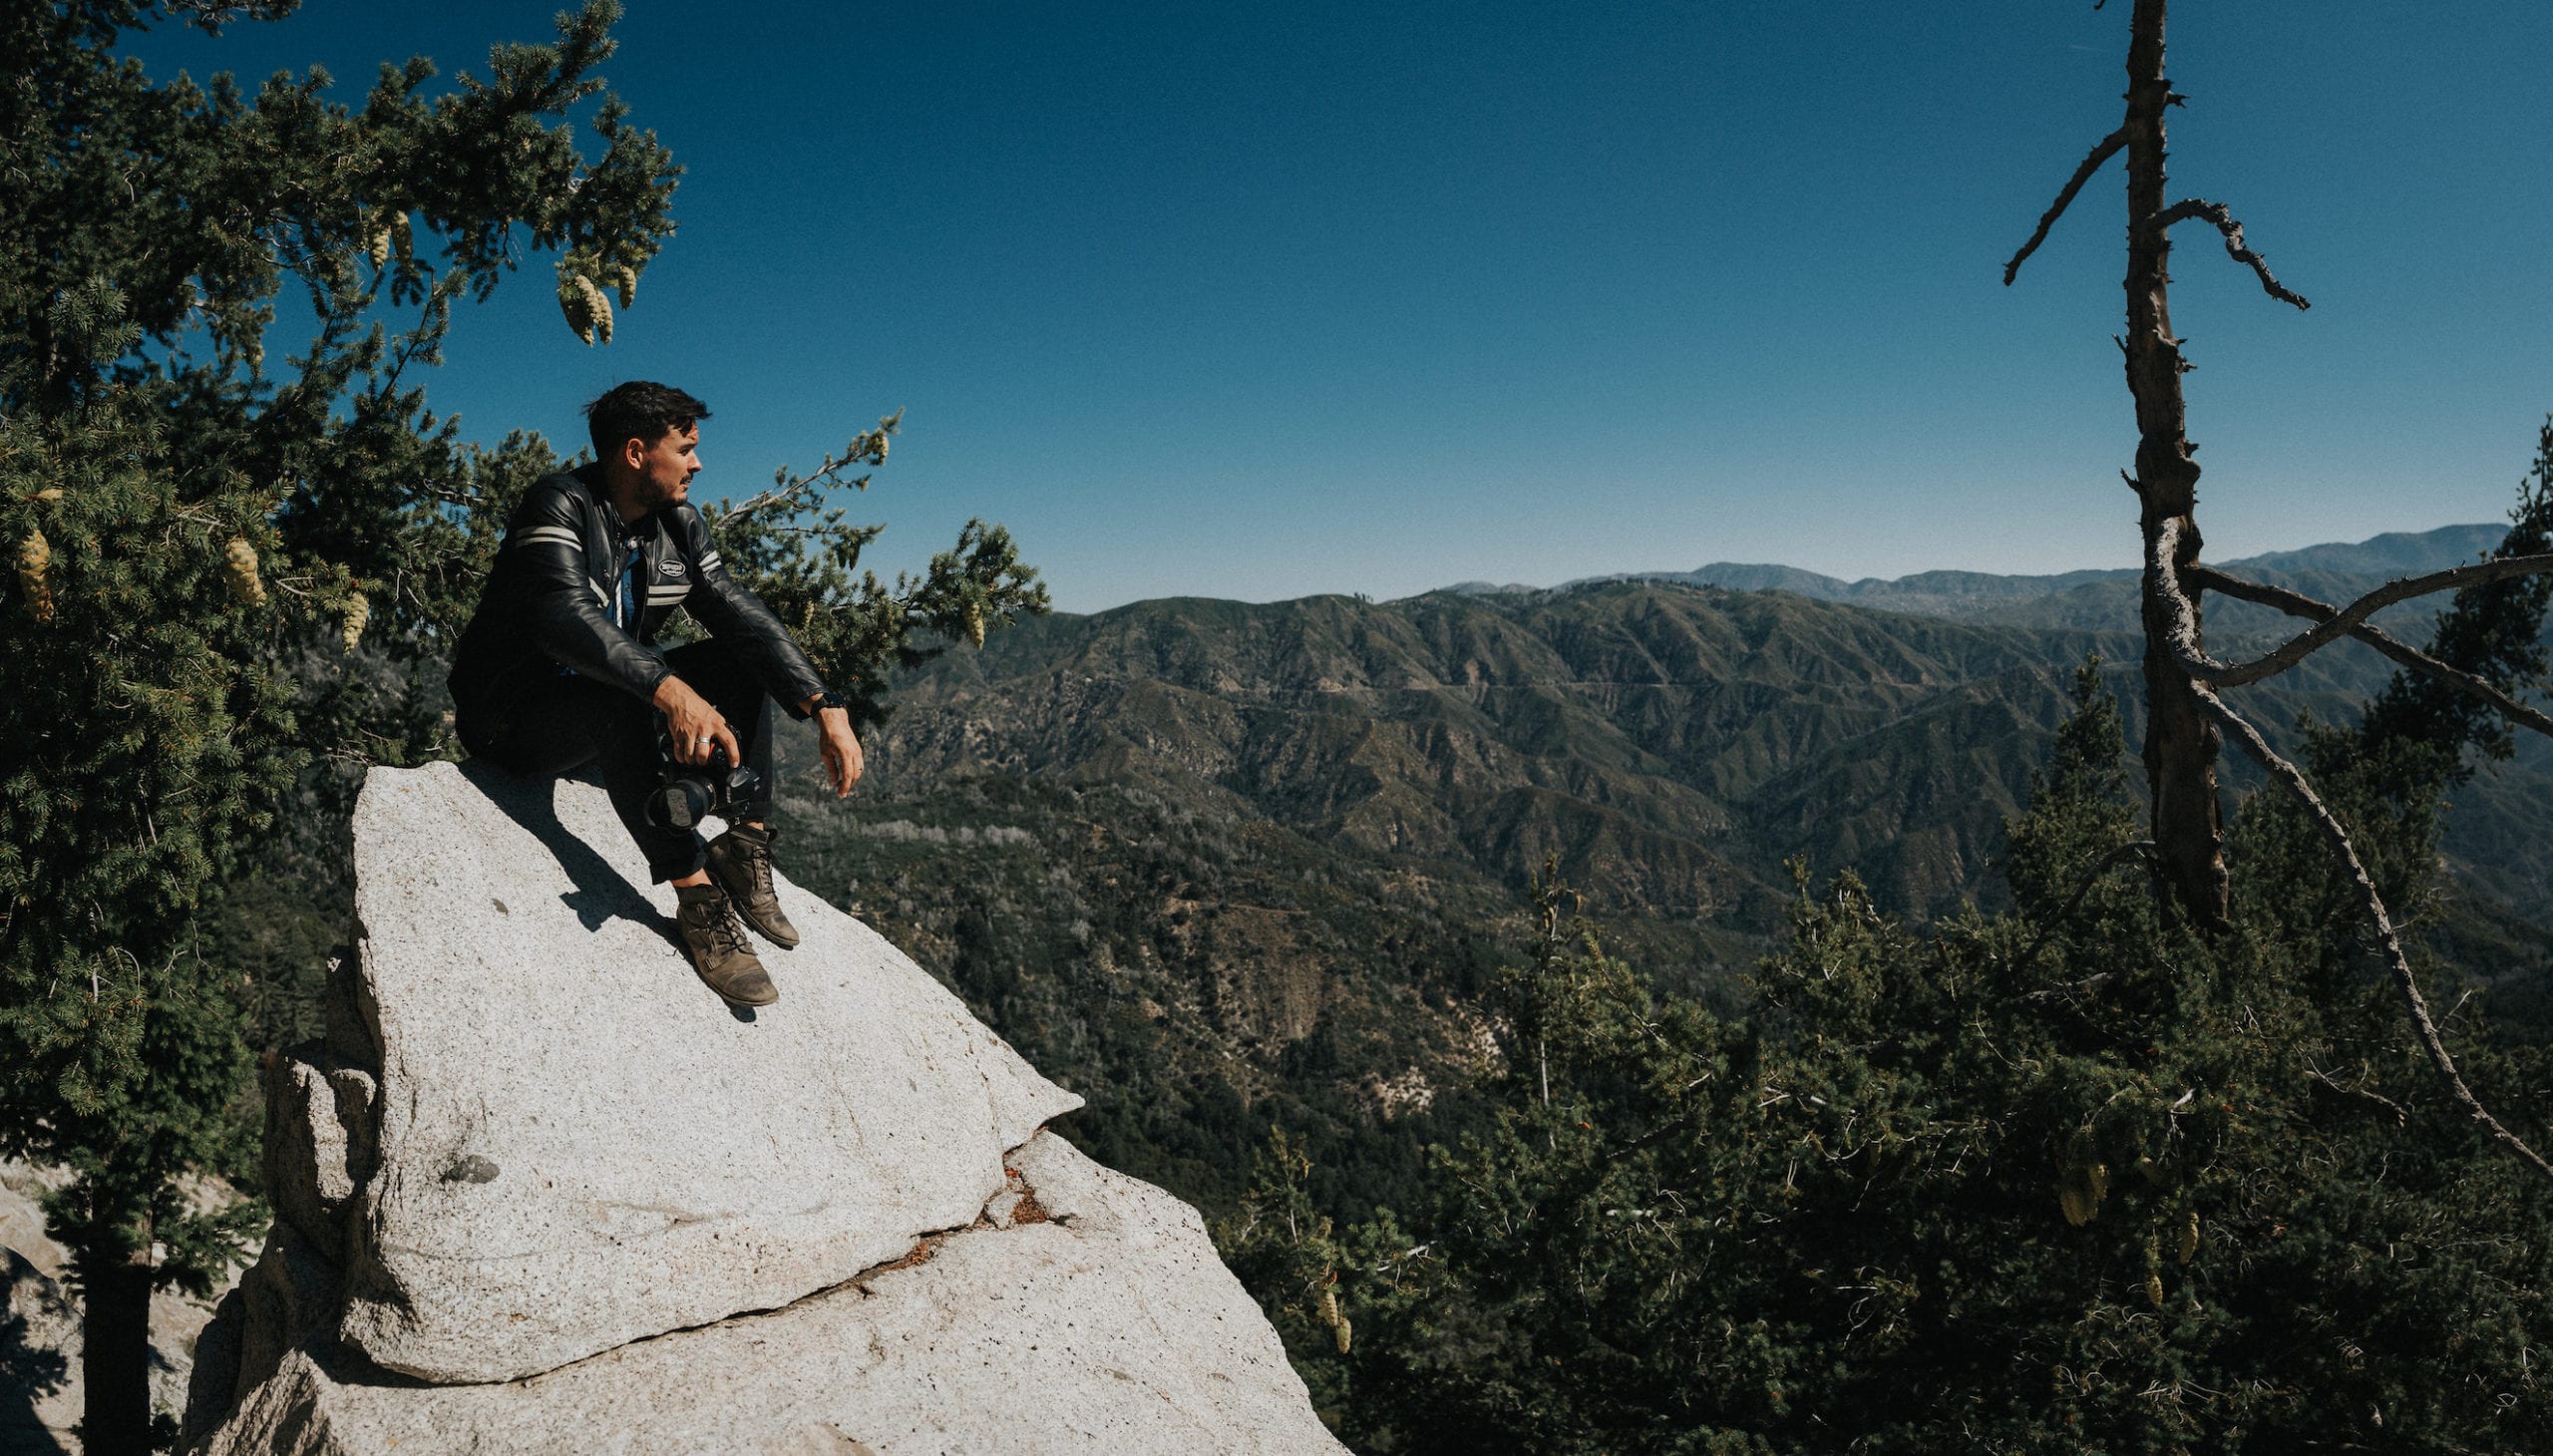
[{"x": 1222, "y": 866}]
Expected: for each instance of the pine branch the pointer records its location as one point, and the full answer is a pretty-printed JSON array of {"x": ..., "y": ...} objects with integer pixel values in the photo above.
[
  {"x": 2223, "y": 216},
  {"x": 2102, "y": 151},
  {"x": 2286, "y": 775},
  {"x": 2101, "y": 867},
  {"x": 866, "y": 448},
  {"x": 2208, "y": 579},
  {"x": 2182, "y": 639}
]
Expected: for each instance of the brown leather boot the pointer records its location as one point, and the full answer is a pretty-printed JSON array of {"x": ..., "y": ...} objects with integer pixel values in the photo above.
[
  {"x": 740, "y": 860},
  {"x": 719, "y": 951}
]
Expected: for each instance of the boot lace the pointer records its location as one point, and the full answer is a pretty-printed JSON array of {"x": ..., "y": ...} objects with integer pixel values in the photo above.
[
  {"x": 726, "y": 934},
  {"x": 729, "y": 931}
]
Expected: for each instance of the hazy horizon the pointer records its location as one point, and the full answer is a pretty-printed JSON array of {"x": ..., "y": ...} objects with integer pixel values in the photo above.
[{"x": 1638, "y": 573}]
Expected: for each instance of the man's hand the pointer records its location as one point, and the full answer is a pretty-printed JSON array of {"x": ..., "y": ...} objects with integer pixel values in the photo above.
[
  {"x": 838, "y": 746},
  {"x": 694, "y": 725}
]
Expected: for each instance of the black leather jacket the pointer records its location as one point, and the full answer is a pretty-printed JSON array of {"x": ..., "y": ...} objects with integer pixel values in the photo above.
[{"x": 547, "y": 605}]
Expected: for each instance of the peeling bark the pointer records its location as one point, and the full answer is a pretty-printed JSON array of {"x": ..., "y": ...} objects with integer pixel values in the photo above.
[{"x": 2181, "y": 740}]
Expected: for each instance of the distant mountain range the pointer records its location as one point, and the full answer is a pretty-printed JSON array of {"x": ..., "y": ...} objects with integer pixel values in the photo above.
[
  {"x": 2097, "y": 600},
  {"x": 1673, "y": 737}
]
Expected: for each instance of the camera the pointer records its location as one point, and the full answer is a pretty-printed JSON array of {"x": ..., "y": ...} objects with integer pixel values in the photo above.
[{"x": 691, "y": 793}]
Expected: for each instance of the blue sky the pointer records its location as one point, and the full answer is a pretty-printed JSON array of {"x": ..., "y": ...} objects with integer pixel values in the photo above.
[{"x": 1262, "y": 301}]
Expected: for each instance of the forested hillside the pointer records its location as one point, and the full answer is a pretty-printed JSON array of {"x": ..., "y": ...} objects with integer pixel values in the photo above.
[
  {"x": 1222, "y": 866},
  {"x": 1671, "y": 746}
]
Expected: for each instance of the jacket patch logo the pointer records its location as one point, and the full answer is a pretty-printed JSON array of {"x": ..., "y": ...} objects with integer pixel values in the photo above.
[{"x": 670, "y": 569}]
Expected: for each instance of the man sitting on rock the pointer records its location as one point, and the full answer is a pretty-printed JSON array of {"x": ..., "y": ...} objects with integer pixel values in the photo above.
[{"x": 558, "y": 668}]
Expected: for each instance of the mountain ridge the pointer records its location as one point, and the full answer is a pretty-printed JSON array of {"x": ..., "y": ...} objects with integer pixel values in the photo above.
[
  {"x": 1949, "y": 592},
  {"x": 1235, "y": 860}
]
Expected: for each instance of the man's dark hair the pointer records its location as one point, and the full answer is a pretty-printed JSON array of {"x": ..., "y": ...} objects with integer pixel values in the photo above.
[{"x": 638, "y": 410}]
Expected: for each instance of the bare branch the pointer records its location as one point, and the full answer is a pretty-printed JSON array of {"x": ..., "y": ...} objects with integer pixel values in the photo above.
[
  {"x": 2400, "y": 1117},
  {"x": 2286, "y": 774},
  {"x": 2182, "y": 641},
  {"x": 2223, "y": 217},
  {"x": 2102, "y": 151},
  {"x": 2298, "y": 605}
]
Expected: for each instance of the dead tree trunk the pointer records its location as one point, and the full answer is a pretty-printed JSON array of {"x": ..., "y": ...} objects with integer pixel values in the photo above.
[
  {"x": 2183, "y": 710},
  {"x": 2180, "y": 739}
]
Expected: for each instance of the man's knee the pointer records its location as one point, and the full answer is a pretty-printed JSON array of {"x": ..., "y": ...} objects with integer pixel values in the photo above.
[{"x": 716, "y": 674}]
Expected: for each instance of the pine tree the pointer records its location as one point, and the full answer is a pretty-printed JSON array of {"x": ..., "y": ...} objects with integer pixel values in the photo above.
[
  {"x": 234, "y": 577},
  {"x": 2079, "y": 1177},
  {"x": 2493, "y": 629},
  {"x": 181, "y": 514}
]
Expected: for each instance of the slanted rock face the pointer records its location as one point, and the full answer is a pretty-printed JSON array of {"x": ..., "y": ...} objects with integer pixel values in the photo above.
[
  {"x": 1108, "y": 1326},
  {"x": 581, "y": 1145},
  {"x": 532, "y": 1138}
]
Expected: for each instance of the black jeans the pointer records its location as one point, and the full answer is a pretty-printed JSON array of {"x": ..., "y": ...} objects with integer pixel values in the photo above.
[{"x": 567, "y": 722}]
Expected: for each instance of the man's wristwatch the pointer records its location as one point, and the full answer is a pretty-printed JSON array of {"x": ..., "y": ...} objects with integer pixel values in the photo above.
[{"x": 829, "y": 700}]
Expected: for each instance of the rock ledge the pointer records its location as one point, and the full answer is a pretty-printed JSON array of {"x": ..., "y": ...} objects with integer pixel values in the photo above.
[{"x": 539, "y": 1191}]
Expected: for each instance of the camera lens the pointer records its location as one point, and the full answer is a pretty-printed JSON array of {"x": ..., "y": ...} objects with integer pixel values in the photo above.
[{"x": 679, "y": 804}]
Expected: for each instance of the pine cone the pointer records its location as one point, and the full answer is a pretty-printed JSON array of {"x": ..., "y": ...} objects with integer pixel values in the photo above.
[
  {"x": 35, "y": 557},
  {"x": 239, "y": 563},
  {"x": 600, "y": 305},
  {"x": 358, "y": 613},
  {"x": 401, "y": 240},
  {"x": 2082, "y": 1181},
  {"x": 2189, "y": 1238},
  {"x": 627, "y": 277},
  {"x": 572, "y": 303},
  {"x": 975, "y": 621},
  {"x": 1339, "y": 1329}
]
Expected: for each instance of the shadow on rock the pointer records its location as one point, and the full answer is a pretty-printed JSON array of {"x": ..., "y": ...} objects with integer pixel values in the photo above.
[
  {"x": 601, "y": 892},
  {"x": 32, "y": 1369}
]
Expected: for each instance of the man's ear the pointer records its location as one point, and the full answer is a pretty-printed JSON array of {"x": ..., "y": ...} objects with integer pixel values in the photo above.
[{"x": 633, "y": 453}]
